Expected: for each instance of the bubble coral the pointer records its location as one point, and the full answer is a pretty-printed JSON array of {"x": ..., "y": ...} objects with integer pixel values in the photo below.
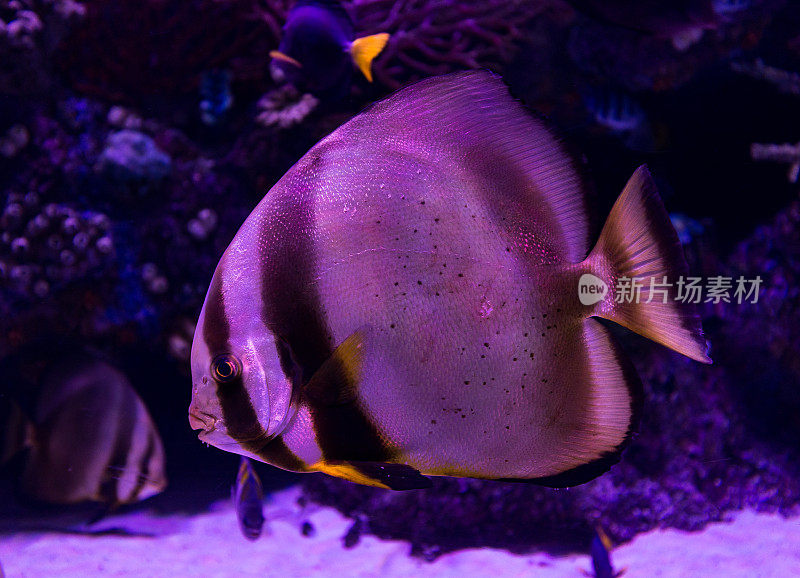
[{"x": 44, "y": 247}]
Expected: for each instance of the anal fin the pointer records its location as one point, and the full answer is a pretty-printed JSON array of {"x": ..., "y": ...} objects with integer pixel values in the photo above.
[
  {"x": 377, "y": 474},
  {"x": 394, "y": 476}
]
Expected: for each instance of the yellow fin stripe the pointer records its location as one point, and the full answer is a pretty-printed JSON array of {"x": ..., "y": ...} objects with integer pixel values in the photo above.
[
  {"x": 348, "y": 473},
  {"x": 274, "y": 54},
  {"x": 364, "y": 50},
  {"x": 604, "y": 538}
]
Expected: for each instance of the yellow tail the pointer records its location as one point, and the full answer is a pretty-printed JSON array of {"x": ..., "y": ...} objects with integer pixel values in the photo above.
[{"x": 365, "y": 50}]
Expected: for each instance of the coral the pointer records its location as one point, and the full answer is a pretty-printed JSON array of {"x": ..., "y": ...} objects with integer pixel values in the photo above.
[
  {"x": 781, "y": 153},
  {"x": 284, "y": 107},
  {"x": 184, "y": 40},
  {"x": 668, "y": 51},
  {"x": 14, "y": 140},
  {"x": 429, "y": 37},
  {"x": 44, "y": 247},
  {"x": 131, "y": 156},
  {"x": 30, "y": 32},
  {"x": 783, "y": 80}
]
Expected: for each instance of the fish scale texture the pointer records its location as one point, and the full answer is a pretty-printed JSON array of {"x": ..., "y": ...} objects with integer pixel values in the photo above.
[{"x": 713, "y": 439}]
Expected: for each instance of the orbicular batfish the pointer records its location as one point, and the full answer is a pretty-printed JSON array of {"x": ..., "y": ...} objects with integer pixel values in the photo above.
[
  {"x": 409, "y": 299},
  {"x": 85, "y": 433}
]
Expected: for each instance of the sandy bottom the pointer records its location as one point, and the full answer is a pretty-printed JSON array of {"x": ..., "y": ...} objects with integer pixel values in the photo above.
[{"x": 210, "y": 545}]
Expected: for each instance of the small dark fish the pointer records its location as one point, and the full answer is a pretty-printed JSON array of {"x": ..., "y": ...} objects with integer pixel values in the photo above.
[
  {"x": 318, "y": 49},
  {"x": 600, "y": 551},
  {"x": 248, "y": 498},
  {"x": 87, "y": 436}
]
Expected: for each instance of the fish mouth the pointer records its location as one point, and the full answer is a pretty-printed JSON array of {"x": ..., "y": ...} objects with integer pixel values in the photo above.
[{"x": 203, "y": 421}]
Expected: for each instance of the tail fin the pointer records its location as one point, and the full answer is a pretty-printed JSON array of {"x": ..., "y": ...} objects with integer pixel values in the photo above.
[
  {"x": 365, "y": 50},
  {"x": 638, "y": 246},
  {"x": 16, "y": 430}
]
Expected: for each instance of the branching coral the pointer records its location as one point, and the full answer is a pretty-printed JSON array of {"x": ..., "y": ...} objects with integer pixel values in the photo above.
[
  {"x": 30, "y": 30},
  {"x": 432, "y": 37},
  {"x": 783, "y": 80},
  {"x": 781, "y": 153}
]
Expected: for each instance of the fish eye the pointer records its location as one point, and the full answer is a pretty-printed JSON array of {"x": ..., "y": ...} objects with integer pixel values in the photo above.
[{"x": 225, "y": 368}]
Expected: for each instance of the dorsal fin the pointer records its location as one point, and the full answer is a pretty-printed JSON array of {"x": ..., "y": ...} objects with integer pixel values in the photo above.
[{"x": 472, "y": 117}]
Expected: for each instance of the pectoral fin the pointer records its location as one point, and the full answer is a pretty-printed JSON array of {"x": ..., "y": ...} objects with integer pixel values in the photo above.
[
  {"x": 336, "y": 381},
  {"x": 365, "y": 50},
  {"x": 376, "y": 474}
]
